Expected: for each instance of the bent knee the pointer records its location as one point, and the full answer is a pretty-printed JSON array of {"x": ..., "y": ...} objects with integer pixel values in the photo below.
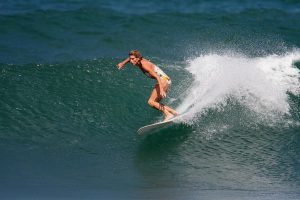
[{"x": 151, "y": 102}]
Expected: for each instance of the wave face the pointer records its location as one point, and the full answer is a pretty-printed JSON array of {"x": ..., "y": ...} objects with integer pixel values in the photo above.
[
  {"x": 241, "y": 132},
  {"x": 68, "y": 117}
]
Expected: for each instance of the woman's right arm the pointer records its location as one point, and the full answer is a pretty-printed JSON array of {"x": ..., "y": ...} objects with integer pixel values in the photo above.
[{"x": 122, "y": 64}]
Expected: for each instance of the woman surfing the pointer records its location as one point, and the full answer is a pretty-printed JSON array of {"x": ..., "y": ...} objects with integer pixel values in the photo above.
[{"x": 161, "y": 87}]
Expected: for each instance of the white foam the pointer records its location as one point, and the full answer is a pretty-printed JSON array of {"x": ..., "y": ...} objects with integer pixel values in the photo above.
[{"x": 259, "y": 83}]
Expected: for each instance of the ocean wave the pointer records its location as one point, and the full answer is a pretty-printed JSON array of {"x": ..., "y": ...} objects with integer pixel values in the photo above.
[{"x": 259, "y": 87}]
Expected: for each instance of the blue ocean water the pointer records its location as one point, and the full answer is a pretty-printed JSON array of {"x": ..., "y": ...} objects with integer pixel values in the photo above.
[{"x": 68, "y": 116}]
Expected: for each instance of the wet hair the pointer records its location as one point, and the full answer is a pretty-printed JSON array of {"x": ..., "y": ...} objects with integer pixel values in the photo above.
[{"x": 136, "y": 54}]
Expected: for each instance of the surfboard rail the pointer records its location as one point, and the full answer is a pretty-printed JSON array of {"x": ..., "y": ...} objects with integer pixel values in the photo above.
[{"x": 151, "y": 128}]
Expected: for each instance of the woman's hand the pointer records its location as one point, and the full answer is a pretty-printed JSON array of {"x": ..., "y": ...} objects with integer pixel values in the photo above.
[
  {"x": 120, "y": 65},
  {"x": 162, "y": 93}
]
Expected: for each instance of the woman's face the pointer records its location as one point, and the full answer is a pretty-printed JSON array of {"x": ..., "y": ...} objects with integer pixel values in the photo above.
[{"x": 133, "y": 60}]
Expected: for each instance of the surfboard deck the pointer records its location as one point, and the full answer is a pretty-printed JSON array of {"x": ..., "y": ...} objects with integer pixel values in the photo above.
[{"x": 151, "y": 128}]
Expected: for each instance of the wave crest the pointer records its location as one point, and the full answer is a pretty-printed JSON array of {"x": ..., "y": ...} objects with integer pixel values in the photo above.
[{"x": 261, "y": 84}]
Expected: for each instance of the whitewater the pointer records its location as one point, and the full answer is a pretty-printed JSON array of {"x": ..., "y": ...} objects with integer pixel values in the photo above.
[{"x": 260, "y": 84}]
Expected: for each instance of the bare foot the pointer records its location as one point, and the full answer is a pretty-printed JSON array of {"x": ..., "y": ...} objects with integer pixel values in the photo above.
[
  {"x": 167, "y": 117},
  {"x": 175, "y": 113}
]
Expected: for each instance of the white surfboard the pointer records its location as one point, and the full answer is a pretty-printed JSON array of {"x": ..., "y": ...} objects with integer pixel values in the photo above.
[{"x": 157, "y": 126}]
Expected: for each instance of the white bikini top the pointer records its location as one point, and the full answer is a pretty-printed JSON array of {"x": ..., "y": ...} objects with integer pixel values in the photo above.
[{"x": 159, "y": 72}]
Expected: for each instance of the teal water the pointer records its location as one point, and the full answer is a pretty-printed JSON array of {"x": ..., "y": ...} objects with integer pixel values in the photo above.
[{"x": 68, "y": 116}]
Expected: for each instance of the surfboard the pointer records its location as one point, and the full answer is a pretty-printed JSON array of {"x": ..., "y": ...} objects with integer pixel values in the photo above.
[{"x": 151, "y": 128}]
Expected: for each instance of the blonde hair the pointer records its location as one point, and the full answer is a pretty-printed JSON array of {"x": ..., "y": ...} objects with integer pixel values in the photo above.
[{"x": 136, "y": 54}]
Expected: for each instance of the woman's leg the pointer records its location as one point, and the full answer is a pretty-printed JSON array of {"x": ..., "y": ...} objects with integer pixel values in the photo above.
[
  {"x": 166, "y": 88},
  {"x": 154, "y": 101}
]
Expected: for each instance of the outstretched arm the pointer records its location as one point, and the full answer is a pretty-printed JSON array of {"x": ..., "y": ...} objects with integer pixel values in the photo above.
[{"x": 122, "y": 64}]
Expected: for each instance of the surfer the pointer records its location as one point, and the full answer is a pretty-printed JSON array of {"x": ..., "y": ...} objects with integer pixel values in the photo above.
[{"x": 161, "y": 87}]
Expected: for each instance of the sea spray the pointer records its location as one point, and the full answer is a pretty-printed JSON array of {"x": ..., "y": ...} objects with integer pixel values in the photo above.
[{"x": 261, "y": 84}]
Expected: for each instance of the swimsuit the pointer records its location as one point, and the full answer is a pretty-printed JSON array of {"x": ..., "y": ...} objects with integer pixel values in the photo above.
[{"x": 160, "y": 73}]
